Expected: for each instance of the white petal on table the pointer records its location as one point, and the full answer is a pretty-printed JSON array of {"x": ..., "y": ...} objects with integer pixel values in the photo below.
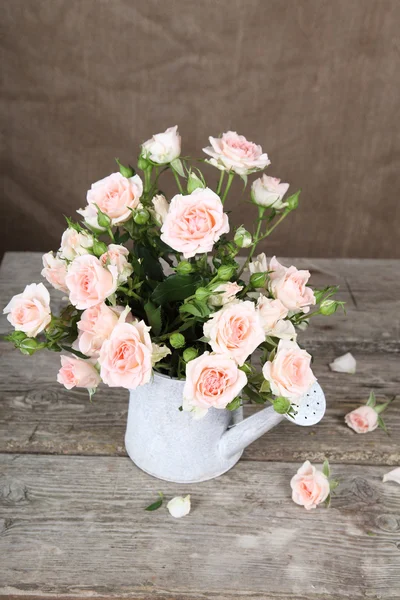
[
  {"x": 344, "y": 364},
  {"x": 392, "y": 476}
]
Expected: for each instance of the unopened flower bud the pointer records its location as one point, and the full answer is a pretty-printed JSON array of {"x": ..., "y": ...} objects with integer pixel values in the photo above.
[
  {"x": 293, "y": 201},
  {"x": 258, "y": 280},
  {"x": 281, "y": 405},
  {"x": 177, "y": 340},
  {"x": 189, "y": 354},
  {"x": 125, "y": 171},
  {"x": 103, "y": 219},
  {"x": 194, "y": 182},
  {"x": 28, "y": 346},
  {"x": 202, "y": 293},
  {"x": 141, "y": 216},
  {"x": 143, "y": 163},
  {"x": 184, "y": 267},
  {"x": 328, "y": 307},
  {"x": 99, "y": 248},
  {"x": 225, "y": 272},
  {"x": 242, "y": 238}
]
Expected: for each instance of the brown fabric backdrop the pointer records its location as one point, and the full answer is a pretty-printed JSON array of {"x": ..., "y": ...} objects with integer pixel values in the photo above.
[{"x": 315, "y": 82}]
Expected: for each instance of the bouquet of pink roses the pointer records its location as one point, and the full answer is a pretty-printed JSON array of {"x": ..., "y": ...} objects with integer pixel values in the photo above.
[{"x": 156, "y": 285}]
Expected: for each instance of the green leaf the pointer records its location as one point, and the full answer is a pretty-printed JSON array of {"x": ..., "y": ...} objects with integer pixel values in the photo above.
[
  {"x": 195, "y": 308},
  {"x": 252, "y": 395},
  {"x": 174, "y": 289},
  {"x": 236, "y": 403},
  {"x": 371, "y": 400},
  {"x": 150, "y": 263},
  {"x": 333, "y": 484},
  {"x": 176, "y": 164},
  {"x": 382, "y": 424},
  {"x": 265, "y": 387},
  {"x": 328, "y": 501},
  {"x": 153, "y": 314},
  {"x": 156, "y": 504},
  {"x": 75, "y": 352},
  {"x": 325, "y": 468},
  {"x": 381, "y": 407}
]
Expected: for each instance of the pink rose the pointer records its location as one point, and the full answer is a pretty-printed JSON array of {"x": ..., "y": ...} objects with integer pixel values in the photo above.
[
  {"x": 30, "y": 311},
  {"x": 232, "y": 152},
  {"x": 289, "y": 286},
  {"x": 114, "y": 195},
  {"x": 363, "y": 419},
  {"x": 125, "y": 358},
  {"x": 163, "y": 148},
  {"x": 259, "y": 264},
  {"x": 75, "y": 243},
  {"x": 161, "y": 208},
  {"x": 55, "y": 271},
  {"x": 212, "y": 380},
  {"x": 309, "y": 486},
  {"x": 89, "y": 283},
  {"x": 224, "y": 293},
  {"x": 118, "y": 257},
  {"x": 194, "y": 222},
  {"x": 95, "y": 326},
  {"x": 289, "y": 374},
  {"x": 235, "y": 330},
  {"x": 76, "y": 372},
  {"x": 269, "y": 191},
  {"x": 272, "y": 314}
]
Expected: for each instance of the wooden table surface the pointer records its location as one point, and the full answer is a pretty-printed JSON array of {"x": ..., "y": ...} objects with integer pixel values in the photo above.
[{"x": 72, "y": 518}]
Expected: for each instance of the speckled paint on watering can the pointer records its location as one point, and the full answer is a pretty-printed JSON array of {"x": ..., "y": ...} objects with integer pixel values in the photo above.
[{"x": 171, "y": 445}]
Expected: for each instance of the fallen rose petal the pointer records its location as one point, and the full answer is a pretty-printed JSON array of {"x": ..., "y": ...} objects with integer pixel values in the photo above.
[
  {"x": 392, "y": 476},
  {"x": 179, "y": 506},
  {"x": 344, "y": 364}
]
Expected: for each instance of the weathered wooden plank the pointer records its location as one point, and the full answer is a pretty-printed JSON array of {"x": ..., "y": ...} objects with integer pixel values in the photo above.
[
  {"x": 77, "y": 527},
  {"x": 371, "y": 289},
  {"x": 39, "y": 415}
]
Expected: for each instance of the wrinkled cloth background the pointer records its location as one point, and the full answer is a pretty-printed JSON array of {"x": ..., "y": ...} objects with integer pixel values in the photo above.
[{"x": 315, "y": 82}]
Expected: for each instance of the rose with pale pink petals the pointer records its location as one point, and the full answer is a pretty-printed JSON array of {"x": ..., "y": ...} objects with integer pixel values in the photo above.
[
  {"x": 115, "y": 196},
  {"x": 233, "y": 152},
  {"x": 259, "y": 264},
  {"x": 76, "y": 372},
  {"x": 75, "y": 243},
  {"x": 224, "y": 293},
  {"x": 95, "y": 326},
  {"x": 289, "y": 286},
  {"x": 289, "y": 373},
  {"x": 194, "y": 222},
  {"x": 125, "y": 358},
  {"x": 309, "y": 486},
  {"x": 362, "y": 420},
  {"x": 235, "y": 330},
  {"x": 30, "y": 311},
  {"x": 272, "y": 314},
  {"x": 269, "y": 191},
  {"x": 117, "y": 256},
  {"x": 212, "y": 380},
  {"x": 163, "y": 148},
  {"x": 89, "y": 283},
  {"x": 161, "y": 208},
  {"x": 55, "y": 271}
]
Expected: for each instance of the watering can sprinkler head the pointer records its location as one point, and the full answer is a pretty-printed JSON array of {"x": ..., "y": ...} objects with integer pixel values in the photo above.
[{"x": 310, "y": 409}]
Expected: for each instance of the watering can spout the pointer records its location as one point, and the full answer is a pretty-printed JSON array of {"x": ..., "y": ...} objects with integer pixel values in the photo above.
[
  {"x": 235, "y": 439},
  {"x": 310, "y": 411}
]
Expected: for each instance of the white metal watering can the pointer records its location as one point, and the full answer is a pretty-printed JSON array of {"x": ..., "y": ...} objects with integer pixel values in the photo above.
[{"x": 171, "y": 445}]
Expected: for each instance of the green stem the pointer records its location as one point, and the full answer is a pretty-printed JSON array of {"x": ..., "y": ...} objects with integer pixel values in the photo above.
[
  {"x": 147, "y": 179},
  {"x": 178, "y": 183},
  {"x": 269, "y": 231},
  {"x": 228, "y": 185},
  {"x": 261, "y": 211},
  {"x": 221, "y": 179}
]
